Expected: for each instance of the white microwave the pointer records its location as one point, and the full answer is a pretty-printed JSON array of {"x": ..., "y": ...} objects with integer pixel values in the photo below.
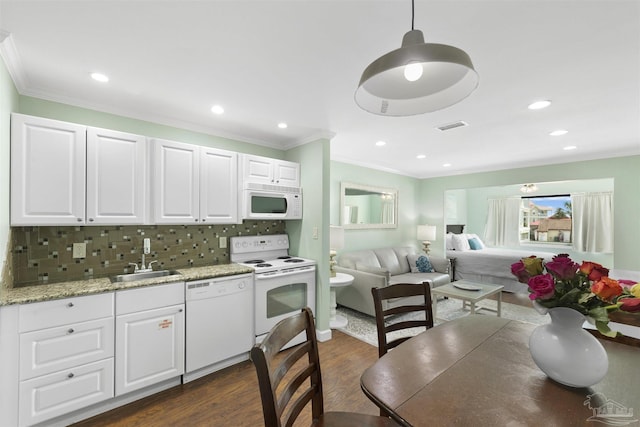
[{"x": 272, "y": 202}]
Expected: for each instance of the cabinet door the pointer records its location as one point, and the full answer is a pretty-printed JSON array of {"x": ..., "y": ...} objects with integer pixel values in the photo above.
[
  {"x": 47, "y": 171},
  {"x": 116, "y": 170},
  {"x": 149, "y": 347},
  {"x": 218, "y": 186},
  {"x": 176, "y": 182},
  {"x": 257, "y": 169},
  {"x": 286, "y": 173}
]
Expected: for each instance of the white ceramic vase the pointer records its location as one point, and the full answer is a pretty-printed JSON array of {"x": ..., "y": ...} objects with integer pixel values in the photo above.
[{"x": 567, "y": 353}]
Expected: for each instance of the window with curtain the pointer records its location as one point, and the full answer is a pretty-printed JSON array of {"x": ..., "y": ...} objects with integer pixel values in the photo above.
[
  {"x": 593, "y": 222},
  {"x": 503, "y": 222}
]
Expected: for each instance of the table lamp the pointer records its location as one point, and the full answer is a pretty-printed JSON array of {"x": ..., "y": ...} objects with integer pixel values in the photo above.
[
  {"x": 336, "y": 241},
  {"x": 426, "y": 233}
]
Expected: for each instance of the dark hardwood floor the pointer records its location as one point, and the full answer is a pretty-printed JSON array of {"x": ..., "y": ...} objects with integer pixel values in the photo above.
[{"x": 230, "y": 397}]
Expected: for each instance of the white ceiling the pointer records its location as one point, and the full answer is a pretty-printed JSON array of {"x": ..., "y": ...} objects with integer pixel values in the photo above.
[{"x": 300, "y": 62}]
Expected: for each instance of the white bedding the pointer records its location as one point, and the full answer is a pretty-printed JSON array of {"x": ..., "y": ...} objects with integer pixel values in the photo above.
[{"x": 492, "y": 266}]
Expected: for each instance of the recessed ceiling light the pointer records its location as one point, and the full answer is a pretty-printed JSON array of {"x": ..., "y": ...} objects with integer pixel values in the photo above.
[
  {"x": 421, "y": 156},
  {"x": 381, "y": 143},
  {"x": 559, "y": 132},
  {"x": 538, "y": 105},
  {"x": 282, "y": 125},
  {"x": 99, "y": 77},
  {"x": 446, "y": 165},
  {"x": 570, "y": 147},
  {"x": 217, "y": 109}
]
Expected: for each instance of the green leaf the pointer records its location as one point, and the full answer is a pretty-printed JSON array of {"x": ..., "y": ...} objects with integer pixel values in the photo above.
[{"x": 605, "y": 330}]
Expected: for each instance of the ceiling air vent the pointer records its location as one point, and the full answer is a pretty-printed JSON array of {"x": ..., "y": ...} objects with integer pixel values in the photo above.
[{"x": 453, "y": 125}]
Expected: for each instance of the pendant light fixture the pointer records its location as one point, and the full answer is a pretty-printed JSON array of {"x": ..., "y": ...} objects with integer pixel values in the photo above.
[{"x": 417, "y": 78}]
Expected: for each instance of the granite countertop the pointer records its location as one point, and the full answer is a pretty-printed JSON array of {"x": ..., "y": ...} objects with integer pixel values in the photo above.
[{"x": 37, "y": 293}]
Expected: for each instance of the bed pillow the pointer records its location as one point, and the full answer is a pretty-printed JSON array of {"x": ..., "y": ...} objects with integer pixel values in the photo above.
[
  {"x": 460, "y": 242},
  {"x": 477, "y": 239},
  {"x": 474, "y": 244},
  {"x": 449, "y": 241},
  {"x": 420, "y": 263}
]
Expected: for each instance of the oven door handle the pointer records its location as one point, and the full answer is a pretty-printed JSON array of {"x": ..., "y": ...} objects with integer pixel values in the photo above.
[{"x": 283, "y": 273}]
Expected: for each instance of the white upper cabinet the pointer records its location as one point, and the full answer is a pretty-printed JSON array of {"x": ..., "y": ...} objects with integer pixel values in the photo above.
[
  {"x": 193, "y": 184},
  {"x": 116, "y": 171},
  {"x": 47, "y": 171},
  {"x": 63, "y": 173},
  {"x": 218, "y": 186},
  {"x": 265, "y": 170}
]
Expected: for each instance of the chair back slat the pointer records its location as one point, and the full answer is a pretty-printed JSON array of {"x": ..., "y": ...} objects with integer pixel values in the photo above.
[
  {"x": 394, "y": 319},
  {"x": 282, "y": 374}
]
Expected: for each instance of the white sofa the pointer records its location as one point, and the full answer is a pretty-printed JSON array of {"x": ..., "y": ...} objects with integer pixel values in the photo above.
[{"x": 374, "y": 268}]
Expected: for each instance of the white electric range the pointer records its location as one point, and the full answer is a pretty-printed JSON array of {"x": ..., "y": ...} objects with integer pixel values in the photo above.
[{"x": 284, "y": 284}]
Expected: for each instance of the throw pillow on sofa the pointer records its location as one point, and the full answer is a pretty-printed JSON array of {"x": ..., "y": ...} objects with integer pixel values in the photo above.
[{"x": 420, "y": 264}]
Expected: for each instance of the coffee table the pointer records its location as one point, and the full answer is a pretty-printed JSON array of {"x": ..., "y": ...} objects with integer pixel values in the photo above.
[{"x": 469, "y": 297}]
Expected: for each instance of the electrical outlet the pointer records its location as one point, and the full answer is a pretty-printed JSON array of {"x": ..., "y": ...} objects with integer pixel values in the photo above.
[
  {"x": 79, "y": 250},
  {"x": 223, "y": 242},
  {"x": 315, "y": 233}
]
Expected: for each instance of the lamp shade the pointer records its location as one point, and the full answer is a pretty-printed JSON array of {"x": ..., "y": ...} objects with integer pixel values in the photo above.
[
  {"x": 445, "y": 76},
  {"x": 427, "y": 232},
  {"x": 336, "y": 237}
]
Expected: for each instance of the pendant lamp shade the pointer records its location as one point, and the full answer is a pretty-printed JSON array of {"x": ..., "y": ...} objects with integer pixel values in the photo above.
[{"x": 388, "y": 88}]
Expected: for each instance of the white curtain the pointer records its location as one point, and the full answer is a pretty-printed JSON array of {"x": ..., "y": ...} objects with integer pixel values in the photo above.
[
  {"x": 503, "y": 222},
  {"x": 592, "y": 222}
]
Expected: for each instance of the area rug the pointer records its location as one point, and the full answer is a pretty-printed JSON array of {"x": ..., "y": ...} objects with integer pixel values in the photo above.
[{"x": 363, "y": 326}]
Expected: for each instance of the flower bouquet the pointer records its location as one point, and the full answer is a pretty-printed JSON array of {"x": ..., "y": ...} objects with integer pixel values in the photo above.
[{"x": 585, "y": 288}]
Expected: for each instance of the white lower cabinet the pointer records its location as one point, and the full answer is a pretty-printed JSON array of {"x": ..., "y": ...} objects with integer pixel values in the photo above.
[
  {"x": 66, "y": 350},
  {"x": 49, "y": 396},
  {"x": 149, "y": 336}
]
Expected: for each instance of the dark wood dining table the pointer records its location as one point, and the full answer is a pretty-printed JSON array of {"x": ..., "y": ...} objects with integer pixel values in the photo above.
[{"x": 477, "y": 371}]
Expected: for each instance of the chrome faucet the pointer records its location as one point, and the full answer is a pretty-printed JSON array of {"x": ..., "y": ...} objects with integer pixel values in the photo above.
[{"x": 143, "y": 268}]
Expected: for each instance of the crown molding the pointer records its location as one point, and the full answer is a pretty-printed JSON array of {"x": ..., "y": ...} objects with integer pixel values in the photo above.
[{"x": 12, "y": 61}]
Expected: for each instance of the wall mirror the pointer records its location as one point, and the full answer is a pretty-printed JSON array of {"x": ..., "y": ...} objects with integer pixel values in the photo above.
[{"x": 364, "y": 206}]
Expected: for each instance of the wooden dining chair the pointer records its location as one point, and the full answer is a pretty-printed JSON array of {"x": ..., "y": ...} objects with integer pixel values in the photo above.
[
  {"x": 388, "y": 320},
  {"x": 299, "y": 367}
]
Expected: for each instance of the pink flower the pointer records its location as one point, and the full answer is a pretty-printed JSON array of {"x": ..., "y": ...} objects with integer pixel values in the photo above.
[
  {"x": 518, "y": 270},
  {"x": 562, "y": 267},
  {"x": 541, "y": 287},
  {"x": 631, "y": 305}
]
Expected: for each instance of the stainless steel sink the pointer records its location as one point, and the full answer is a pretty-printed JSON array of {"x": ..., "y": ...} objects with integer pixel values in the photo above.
[{"x": 142, "y": 275}]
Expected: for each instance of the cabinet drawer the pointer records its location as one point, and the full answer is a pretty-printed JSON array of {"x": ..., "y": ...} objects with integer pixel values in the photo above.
[
  {"x": 150, "y": 297},
  {"x": 50, "y": 350},
  {"x": 48, "y": 314},
  {"x": 52, "y": 395}
]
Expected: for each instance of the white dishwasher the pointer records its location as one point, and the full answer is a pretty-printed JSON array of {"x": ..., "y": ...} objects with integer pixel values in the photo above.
[{"x": 219, "y": 324}]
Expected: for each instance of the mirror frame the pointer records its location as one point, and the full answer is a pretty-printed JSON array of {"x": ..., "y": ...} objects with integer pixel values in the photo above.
[{"x": 343, "y": 191}]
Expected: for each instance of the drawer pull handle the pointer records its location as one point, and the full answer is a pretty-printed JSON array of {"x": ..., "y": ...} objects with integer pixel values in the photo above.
[
  {"x": 180, "y": 310},
  {"x": 70, "y": 304},
  {"x": 70, "y": 375},
  {"x": 71, "y": 331}
]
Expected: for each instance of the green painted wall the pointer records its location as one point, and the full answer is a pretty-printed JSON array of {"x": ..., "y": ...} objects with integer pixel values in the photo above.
[
  {"x": 54, "y": 110},
  {"x": 408, "y": 192},
  {"x": 314, "y": 161},
  {"x": 625, "y": 172},
  {"x": 8, "y": 102}
]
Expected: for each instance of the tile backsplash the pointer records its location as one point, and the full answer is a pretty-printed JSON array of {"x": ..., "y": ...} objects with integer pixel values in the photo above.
[{"x": 43, "y": 255}]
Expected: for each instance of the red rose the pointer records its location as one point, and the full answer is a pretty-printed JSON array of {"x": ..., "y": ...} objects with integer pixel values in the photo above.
[
  {"x": 631, "y": 305},
  {"x": 594, "y": 271},
  {"x": 541, "y": 287},
  {"x": 606, "y": 289},
  {"x": 562, "y": 267},
  {"x": 518, "y": 270}
]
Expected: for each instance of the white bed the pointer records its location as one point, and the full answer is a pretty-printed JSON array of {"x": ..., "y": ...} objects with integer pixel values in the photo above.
[{"x": 488, "y": 265}]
